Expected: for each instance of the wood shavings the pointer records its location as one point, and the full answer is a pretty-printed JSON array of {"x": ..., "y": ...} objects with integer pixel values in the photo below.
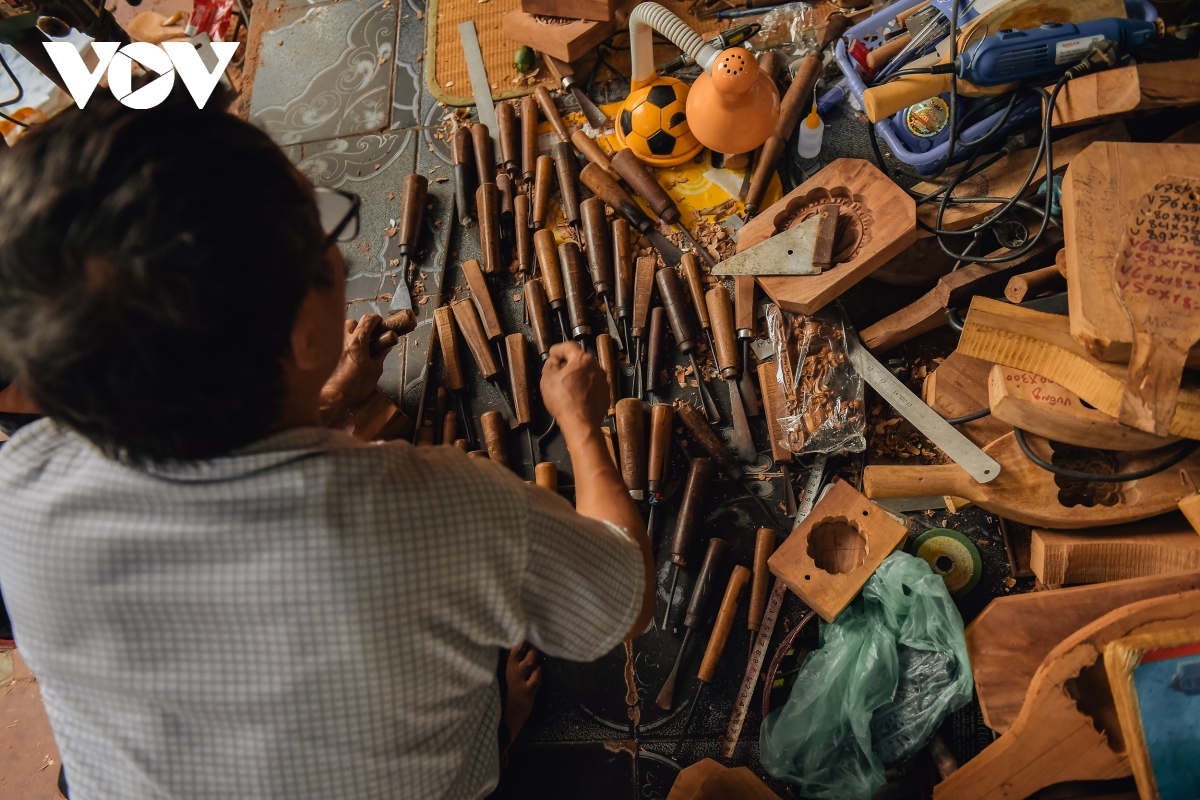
[
  {"x": 391, "y": 196},
  {"x": 390, "y": 232}
]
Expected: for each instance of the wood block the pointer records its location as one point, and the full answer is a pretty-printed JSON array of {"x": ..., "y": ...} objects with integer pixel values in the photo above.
[
  {"x": 709, "y": 780},
  {"x": 1157, "y": 546},
  {"x": 773, "y": 409},
  {"x": 565, "y": 39},
  {"x": 1036, "y": 404},
  {"x": 1006, "y": 176},
  {"x": 877, "y": 220},
  {"x": 958, "y": 387},
  {"x": 377, "y": 419},
  {"x": 831, "y": 554},
  {"x": 596, "y": 10},
  {"x": 1010, "y": 638},
  {"x": 1068, "y": 728},
  {"x": 954, "y": 289},
  {"x": 1125, "y": 90},
  {"x": 1042, "y": 343},
  {"x": 1101, "y": 189},
  {"x": 1024, "y": 492}
]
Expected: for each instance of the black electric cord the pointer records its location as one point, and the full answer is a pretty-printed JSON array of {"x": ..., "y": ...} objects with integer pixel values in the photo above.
[
  {"x": 20, "y": 94},
  {"x": 1186, "y": 449},
  {"x": 965, "y": 418}
]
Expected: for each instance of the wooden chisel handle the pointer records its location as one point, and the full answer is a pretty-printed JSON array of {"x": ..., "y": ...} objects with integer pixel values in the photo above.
[
  {"x": 880, "y": 102},
  {"x": 450, "y": 427},
  {"x": 483, "y": 298},
  {"x": 510, "y": 135},
  {"x": 882, "y": 482},
  {"x": 485, "y": 154},
  {"x": 631, "y": 438},
  {"x": 523, "y": 232},
  {"x": 662, "y": 415},
  {"x": 764, "y": 546},
  {"x": 566, "y": 169},
  {"x": 656, "y": 348},
  {"x": 487, "y": 202},
  {"x": 743, "y": 305},
  {"x": 643, "y": 288},
  {"x": 687, "y": 522},
  {"x": 588, "y": 148},
  {"x": 645, "y": 185},
  {"x": 622, "y": 250},
  {"x": 599, "y": 246},
  {"x": 710, "y": 567},
  {"x": 550, "y": 112},
  {"x": 543, "y": 187},
  {"x": 547, "y": 258},
  {"x": 617, "y": 198},
  {"x": 674, "y": 300},
  {"x": 545, "y": 474},
  {"x": 472, "y": 332},
  {"x": 518, "y": 375},
  {"x": 886, "y": 52},
  {"x": 495, "y": 436},
  {"x": 690, "y": 267},
  {"x": 539, "y": 315},
  {"x": 463, "y": 157},
  {"x": 606, "y": 355},
  {"x": 720, "y": 309},
  {"x": 724, "y": 624},
  {"x": 704, "y": 436},
  {"x": 529, "y": 136},
  {"x": 448, "y": 339},
  {"x": 412, "y": 210},
  {"x": 574, "y": 288}
]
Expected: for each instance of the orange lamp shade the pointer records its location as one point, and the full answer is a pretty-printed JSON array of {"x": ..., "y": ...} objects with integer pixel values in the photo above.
[{"x": 734, "y": 109}]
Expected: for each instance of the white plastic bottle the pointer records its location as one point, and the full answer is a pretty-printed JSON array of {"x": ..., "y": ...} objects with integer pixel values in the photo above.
[{"x": 812, "y": 132}]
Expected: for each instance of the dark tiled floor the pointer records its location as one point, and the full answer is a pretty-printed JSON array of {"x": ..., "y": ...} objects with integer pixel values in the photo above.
[{"x": 344, "y": 94}]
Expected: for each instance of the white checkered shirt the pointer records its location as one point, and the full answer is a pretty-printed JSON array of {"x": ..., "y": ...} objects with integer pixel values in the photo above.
[{"x": 309, "y": 618}]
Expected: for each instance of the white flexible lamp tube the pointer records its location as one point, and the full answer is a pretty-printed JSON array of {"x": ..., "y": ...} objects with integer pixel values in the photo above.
[{"x": 649, "y": 17}]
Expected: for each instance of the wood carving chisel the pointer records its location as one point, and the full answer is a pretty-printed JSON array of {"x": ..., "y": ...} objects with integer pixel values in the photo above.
[
  {"x": 764, "y": 546},
  {"x": 462, "y": 155},
  {"x": 550, "y": 112},
  {"x": 471, "y": 328},
  {"x": 596, "y": 239},
  {"x": 720, "y": 311},
  {"x": 539, "y": 316},
  {"x": 477, "y": 283},
  {"x": 622, "y": 250},
  {"x": 716, "y": 644},
  {"x": 552, "y": 277},
  {"x": 647, "y": 187},
  {"x": 743, "y": 320},
  {"x": 687, "y": 522},
  {"x": 510, "y": 138},
  {"x": 575, "y": 291},
  {"x": 529, "y": 137},
  {"x": 643, "y": 288},
  {"x": 518, "y": 378},
  {"x": 631, "y": 444},
  {"x": 603, "y": 186},
  {"x": 447, "y": 334},
  {"x": 662, "y": 415},
  {"x": 566, "y": 75},
  {"x": 695, "y": 286},
  {"x": 697, "y": 613},
  {"x": 566, "y": 170},
  {"x": 412, "y": 212},
  {"x": 674, "y": 299},
  {"x": 606, "y": 356},
  {"x": 656, "y": 351}
]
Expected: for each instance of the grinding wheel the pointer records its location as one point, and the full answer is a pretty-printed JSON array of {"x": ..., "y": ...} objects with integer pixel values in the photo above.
[{"x": 951, "y": 555}]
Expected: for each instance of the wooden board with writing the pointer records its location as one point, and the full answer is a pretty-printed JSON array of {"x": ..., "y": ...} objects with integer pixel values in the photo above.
[
  {"x": 958, "y": 387},
  {"x": 1037, "y": 404},
  {"x": 1038, "y": 342},
  {"x": 876, "y": 221},
  {"x": 1157, "y": 278},
  {"x": 1101, "y": 189}
]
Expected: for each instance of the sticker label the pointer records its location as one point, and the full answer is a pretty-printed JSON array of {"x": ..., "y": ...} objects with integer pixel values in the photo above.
[
  {"x": 1073, "y": 50},
  {"x": 927, "y": 118}
]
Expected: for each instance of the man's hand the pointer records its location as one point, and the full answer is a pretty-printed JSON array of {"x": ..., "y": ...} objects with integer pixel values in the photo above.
[
  {"x": 358, "y": 370},
  {"x": 574, "y": 389}
]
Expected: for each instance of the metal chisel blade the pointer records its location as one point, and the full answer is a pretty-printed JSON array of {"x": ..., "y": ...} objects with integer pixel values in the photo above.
[
  {"x": 743, "y": 442},
  {"x": 595, "y": 117},
  {"x": 671, "y": 254}
]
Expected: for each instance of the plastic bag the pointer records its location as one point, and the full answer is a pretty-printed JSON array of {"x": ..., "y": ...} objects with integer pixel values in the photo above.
[
  {"x": 789, "y": 29},
  {"x": 889, "y": 670},
  {"x": 822, "y": 394}
]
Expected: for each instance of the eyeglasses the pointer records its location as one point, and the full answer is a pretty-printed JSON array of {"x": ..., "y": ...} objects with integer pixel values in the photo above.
[{"x": 339, "y": 214}]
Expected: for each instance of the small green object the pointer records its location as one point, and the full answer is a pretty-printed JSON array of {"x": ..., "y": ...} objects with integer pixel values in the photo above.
[
  {"x": 523, "y": 60},
  {"x": 951, "y": 555}
]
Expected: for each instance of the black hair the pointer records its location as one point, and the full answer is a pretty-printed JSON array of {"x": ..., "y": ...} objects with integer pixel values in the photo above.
[{"x": 152, "y": 263}]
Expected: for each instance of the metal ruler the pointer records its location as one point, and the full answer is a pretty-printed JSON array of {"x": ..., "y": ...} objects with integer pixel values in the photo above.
[
  {"x": 961, "y": 450},
  {"x": 479, "y": 79},
  {"x": 762, "y": 641}
]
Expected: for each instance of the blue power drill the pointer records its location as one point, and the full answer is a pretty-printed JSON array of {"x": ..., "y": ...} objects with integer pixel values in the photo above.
[{"x": 1052, "y": 49}]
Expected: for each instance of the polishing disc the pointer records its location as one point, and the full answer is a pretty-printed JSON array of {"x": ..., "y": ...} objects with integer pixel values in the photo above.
[{"x": 951, "y": 555}]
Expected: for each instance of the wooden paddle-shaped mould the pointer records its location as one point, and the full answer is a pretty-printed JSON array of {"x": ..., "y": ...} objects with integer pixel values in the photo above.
[
  {"x": 1068, "y": 728},
  {"x": 1157, "y": 279},
  {"x": 1024, "y": 492}
]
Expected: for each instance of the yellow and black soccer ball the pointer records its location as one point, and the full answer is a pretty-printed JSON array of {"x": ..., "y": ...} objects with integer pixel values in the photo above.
[{"x": 653, "y": 124}]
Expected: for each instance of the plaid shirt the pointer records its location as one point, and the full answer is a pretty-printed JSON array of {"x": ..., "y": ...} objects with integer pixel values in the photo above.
[{"x": 308, "y": 618}]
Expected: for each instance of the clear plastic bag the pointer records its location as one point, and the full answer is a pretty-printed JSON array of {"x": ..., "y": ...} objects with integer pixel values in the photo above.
[
  {"x": 789, "y": 29},
  {"x": 824, "y": 410},
  {"x": 889, "y": 670}
]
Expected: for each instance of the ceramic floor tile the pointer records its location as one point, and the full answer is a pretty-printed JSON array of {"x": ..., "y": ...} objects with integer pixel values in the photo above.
[{"x": 326, "y": 71}]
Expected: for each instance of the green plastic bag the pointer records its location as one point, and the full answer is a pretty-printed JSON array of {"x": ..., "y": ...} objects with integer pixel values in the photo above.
[{"x": 889, "y": 670}]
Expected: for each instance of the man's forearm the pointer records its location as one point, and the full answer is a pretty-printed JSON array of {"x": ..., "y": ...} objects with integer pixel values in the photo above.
[{"x": 600, "y": 493}]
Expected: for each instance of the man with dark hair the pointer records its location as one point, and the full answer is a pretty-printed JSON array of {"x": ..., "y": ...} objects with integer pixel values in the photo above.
[{"x": 219, "y": 597}]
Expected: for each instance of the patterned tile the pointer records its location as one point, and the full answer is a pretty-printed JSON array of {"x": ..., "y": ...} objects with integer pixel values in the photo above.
[{"x": 326, "y": 71}]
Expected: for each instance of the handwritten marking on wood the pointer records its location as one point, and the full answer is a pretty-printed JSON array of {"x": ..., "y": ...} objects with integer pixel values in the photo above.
[{"x": 1157, "y": 279}]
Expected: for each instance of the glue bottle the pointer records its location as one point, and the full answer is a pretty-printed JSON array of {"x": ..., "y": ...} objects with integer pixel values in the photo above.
[{"x": 812, "y": 131}]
